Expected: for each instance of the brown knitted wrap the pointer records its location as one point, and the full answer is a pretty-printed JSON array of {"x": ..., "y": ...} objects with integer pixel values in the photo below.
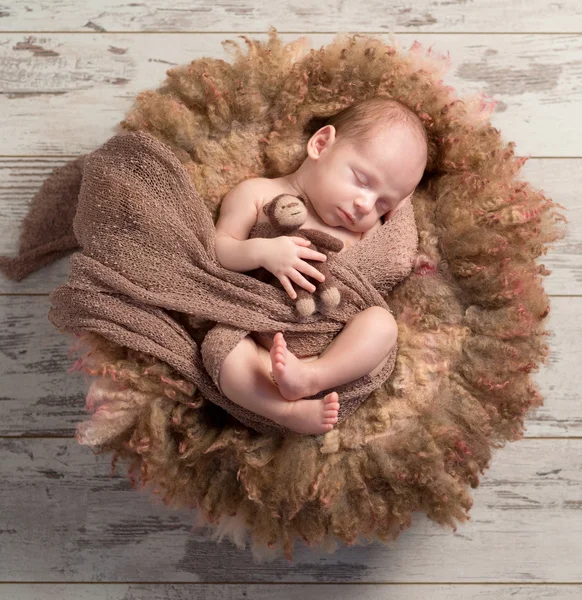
[
  {"x": 148, "y": 247},
  {"x": 47, "y": 230}
]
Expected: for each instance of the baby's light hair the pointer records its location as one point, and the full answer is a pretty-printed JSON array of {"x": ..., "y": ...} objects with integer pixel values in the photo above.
[{"x": 359, "y": 121}]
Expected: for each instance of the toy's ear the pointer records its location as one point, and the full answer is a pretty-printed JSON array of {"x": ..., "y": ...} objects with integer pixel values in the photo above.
[{"x": 269, "y": 207}]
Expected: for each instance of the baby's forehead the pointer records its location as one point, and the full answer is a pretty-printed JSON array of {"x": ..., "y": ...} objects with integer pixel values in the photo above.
[
  {"x": 372, "y": 145},
  {"x": 363, "y": 149}
]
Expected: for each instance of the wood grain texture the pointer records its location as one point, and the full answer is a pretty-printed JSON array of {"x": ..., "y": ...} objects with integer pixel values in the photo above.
[
  {"x": 293, "y": 591},
  {"x": 559, "y": 179},
  {"x": 38, "y": 397},
  {"x": 297, "y": 15},
  {"x": 63, "y": 94},
  {"x": 64, "y": 518}
]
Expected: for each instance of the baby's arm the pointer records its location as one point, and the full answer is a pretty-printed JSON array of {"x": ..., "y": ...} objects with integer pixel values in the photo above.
[{"x": 238, "y": 214}]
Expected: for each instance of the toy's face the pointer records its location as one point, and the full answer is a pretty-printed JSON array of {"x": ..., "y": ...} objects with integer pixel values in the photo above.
[
  {"x": 286, "y": 211},
  {"x": 366, "y": 183}
]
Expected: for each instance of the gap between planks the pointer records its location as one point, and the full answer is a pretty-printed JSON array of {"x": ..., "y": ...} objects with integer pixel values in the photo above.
[
  {"x": 263, "y": 32},
  {"x": 289, "y": 583}
]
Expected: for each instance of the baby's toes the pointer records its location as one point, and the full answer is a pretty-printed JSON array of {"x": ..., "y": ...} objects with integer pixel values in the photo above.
[
  {"x": 331, "y": 399},
  {"x": 276, "y": 358},
  {"x": 279, "y": 343},
  {"x": 280, "y": 355},
  {"x": 330, "y": 412},
  {"x": 331, "y": 408},
  {"x": 330, "y": 418}
]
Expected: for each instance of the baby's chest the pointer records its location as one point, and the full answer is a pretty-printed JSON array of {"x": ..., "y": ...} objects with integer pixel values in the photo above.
[{"x": 349, "y": 238}]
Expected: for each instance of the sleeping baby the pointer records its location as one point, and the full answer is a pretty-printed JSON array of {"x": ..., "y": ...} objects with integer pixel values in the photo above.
[{"x": 361, "y": 167}]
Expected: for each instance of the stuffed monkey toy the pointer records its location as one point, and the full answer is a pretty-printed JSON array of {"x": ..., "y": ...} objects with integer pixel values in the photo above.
[{"x": 286, "y": 214}]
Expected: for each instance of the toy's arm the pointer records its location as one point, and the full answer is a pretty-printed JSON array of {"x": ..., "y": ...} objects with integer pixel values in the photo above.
[{"x": 323, "y": 240}]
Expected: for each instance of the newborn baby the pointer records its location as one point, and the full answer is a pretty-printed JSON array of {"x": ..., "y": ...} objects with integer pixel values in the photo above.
[{"x": 360, "y": 169}]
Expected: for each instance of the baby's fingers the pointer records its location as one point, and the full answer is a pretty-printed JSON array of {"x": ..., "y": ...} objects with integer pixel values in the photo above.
[
  {"x": 300, "y": 280},
  {"x": 301, "y": 241},
  {"x": 313, "y": 255},
  {"x": 312, "y": 271},
  {"x": 287, "y": 286}
]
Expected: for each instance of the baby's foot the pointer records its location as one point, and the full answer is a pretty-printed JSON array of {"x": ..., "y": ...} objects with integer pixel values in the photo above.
[
  {"x": 294, "y": 378},
  {"x": 312, "y": 416}
]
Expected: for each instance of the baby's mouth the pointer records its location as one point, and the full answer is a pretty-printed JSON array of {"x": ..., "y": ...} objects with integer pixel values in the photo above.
[{"x": 348, "y": 216}]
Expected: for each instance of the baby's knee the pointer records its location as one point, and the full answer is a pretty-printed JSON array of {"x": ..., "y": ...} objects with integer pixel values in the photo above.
[
  {"x": 223, "y": 344},
  {"x": 384, "y": 324},
  {"x": 237, "y": 366},
  {"x": 240, "y": 355}
]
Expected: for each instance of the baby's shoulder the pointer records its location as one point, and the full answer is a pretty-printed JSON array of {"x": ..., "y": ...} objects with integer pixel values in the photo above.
[
  {"x": 267, "y": 189},
  {"x": 261, "y": 183},
  {"x": 258, "y": 180},
  {"x": 257, "y": 184}
]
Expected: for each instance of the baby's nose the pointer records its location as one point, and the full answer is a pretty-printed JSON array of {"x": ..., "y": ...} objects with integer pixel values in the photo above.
[{"x": 364, "y": 204}]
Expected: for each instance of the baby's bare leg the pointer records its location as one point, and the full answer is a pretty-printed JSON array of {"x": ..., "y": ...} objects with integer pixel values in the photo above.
[
  {"x": 244, "y": 379},
  {"x": 362, "y": 347}
]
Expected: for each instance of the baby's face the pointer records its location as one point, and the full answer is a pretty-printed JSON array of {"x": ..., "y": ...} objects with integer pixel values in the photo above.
[{"x": 366, "y": 183}]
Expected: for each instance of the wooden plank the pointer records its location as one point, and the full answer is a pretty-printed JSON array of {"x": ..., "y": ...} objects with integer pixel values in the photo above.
[
  {"x": 559, "y": 179},
  {"x": 38, "y": 397},
  {"x": 526, "y": 526},
  {"x": 63, "y": 94},
  {"x": 246, "y": 15},
  {"x": 298, "y": 591}
]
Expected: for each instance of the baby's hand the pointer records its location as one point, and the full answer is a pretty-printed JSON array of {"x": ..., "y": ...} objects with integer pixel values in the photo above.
[{"x": 282, "y": 257}]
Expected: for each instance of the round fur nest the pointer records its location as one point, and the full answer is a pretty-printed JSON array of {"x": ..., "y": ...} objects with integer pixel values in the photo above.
[{"x": 470, "y": 315}]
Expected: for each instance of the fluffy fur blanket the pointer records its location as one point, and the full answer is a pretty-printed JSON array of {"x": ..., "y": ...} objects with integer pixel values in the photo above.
[{"x": 148, "y": 252}]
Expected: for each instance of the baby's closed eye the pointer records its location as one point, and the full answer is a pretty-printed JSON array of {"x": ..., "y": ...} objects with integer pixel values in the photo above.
[{"x": 359, "y": 179}]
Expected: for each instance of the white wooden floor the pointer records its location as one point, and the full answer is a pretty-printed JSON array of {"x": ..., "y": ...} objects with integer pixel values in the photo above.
[{"x": 68, "y": 73}]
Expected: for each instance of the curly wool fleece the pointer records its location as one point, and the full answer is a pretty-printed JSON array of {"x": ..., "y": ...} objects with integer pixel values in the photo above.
[{"x": 469, "y": 315}]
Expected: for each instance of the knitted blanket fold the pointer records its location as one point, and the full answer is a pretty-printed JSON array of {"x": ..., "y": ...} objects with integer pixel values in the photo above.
[
  {"x": 148, "y": 253},
  {"x": 47, "y": 229}
]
